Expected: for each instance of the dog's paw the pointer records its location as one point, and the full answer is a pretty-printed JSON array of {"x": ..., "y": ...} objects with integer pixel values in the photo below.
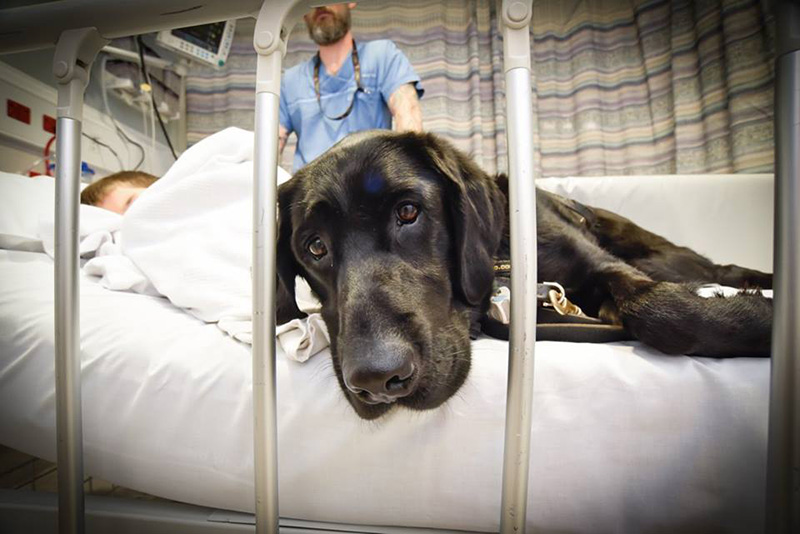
[
  {"x": 609, "y": 313},
  {"x": 664, "y": 315}
]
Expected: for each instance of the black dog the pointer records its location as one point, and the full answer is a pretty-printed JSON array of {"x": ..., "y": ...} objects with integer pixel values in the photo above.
[{"x": 397, "y": 234}]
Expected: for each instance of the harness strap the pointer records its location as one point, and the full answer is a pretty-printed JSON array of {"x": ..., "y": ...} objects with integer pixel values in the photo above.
[{"x": 557, "y": 319}]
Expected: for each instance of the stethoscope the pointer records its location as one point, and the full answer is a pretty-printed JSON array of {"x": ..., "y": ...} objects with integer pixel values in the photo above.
[{"x": 359, "y": 87}]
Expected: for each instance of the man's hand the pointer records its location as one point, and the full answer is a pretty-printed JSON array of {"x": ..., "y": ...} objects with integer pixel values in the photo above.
[{"x": 404, "y": 106}]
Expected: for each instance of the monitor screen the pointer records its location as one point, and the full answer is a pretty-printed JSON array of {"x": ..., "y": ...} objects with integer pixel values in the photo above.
[{"x": 206, "y": 36}]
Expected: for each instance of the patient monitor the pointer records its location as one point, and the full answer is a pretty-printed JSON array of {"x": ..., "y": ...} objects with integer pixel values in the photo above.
[{"x": 207, "y": 43}]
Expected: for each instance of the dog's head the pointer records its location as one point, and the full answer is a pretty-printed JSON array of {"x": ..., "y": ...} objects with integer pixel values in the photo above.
[{"x": 395, "y": 233}]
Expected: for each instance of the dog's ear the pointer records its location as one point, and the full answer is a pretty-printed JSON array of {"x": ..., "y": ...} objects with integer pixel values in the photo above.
[
  {"x": 287, "y": 266},
  {"x": 477, "y": 209}
]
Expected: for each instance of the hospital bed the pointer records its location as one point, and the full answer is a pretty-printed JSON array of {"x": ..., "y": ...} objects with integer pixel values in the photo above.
[
  {"x": 623, "y": 437},
  {"x": 76, "y": 51}
]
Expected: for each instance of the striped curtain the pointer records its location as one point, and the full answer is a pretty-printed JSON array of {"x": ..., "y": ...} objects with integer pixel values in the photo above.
[{"x": 619, "y": 86}]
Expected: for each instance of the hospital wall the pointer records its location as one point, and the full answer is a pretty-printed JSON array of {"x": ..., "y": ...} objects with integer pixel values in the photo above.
[{"x": 26, "y": 78}]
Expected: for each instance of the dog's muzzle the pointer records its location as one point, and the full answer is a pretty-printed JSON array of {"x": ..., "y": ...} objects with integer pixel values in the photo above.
[{"x": 379, "y": 371}]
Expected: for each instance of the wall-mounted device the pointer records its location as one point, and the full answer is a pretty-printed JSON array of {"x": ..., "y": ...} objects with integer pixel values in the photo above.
[{"x": 207, "y": 43}]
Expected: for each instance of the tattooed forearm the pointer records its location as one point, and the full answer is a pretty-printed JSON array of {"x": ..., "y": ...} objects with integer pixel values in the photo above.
[
  {"x": 283, "y": 135},
  {"x": 404, "y": 106}
]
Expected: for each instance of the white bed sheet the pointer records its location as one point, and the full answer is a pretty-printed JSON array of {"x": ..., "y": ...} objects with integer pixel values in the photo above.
[{"x": 624, "y": 439}]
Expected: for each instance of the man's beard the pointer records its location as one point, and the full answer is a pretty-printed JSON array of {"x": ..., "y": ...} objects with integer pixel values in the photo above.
[{"x": 329, "y": 30}]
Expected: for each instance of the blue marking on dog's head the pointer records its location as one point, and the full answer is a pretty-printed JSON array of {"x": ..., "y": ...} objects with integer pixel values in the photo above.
[{"x": 374, "y": 183}]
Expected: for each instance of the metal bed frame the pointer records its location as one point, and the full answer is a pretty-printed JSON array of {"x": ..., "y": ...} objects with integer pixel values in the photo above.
[{"x": 82, "y": 27}]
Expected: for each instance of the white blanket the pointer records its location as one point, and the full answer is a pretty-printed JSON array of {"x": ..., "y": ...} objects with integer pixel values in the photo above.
[
  {"x": 190, "y": 233},
  {"x": 99, "y": 248},
  {"x": 188, "y": 237}
]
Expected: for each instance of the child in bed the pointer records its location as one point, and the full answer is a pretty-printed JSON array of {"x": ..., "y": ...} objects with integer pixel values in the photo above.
[{"x": 117, "y": 191}]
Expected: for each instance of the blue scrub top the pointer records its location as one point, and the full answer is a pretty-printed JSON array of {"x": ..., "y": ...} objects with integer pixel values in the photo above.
[{"x": 384, "y": 68}]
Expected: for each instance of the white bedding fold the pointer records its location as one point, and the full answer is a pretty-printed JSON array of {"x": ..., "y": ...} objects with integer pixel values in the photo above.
[
  {"x": 99, "y": 238},
  {"x": 188, "y": 237},
  {"x": 190, "y": 234},
  {"x": 98, "y": 227}
]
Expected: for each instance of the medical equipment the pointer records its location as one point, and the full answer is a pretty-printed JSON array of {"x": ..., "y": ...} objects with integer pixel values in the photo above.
[
  {"x": 22, "y": 144},
  {"x": 117, "y": 127},
  {"x": 209, "y": 44},
  {"x": 147, "y": 87}
]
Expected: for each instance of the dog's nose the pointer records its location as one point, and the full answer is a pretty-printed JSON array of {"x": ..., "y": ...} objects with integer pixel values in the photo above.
[{"x": 381, "y": 372}]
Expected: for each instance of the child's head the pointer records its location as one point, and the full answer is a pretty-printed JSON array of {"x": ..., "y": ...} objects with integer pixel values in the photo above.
[{"x": 117, "y": 191}]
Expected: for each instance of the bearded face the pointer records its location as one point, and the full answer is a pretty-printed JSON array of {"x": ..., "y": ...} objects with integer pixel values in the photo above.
[{"x": 328, "y": 24}]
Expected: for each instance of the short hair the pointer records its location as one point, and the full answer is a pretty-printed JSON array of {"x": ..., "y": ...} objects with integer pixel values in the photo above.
[{"x": 96, "y": 192}]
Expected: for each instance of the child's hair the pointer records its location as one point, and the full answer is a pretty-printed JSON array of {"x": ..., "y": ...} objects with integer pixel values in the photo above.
[{"x": 94, "y": 193}]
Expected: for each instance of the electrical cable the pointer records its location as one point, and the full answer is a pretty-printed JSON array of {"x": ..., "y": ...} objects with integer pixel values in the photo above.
[
  {"x": 117, "y": 126},
  {"x": 47, "y": 155},
  {"x": 110, "y": 149},
  {"x": 140, "y": 45},
  {"x": 152, "y": 124},
  {"x": 106, "y": 107}
]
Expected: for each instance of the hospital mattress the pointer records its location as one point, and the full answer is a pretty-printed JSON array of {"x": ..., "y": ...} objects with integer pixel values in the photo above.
[{"x": 624, "y": 439}]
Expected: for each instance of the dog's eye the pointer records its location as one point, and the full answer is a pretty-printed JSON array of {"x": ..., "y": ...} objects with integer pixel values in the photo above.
[
  {"x": 407, "y": 213},
  {"x": 317, "y": 248}
]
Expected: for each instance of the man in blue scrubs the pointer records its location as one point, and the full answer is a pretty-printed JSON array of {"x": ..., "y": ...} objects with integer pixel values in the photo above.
[{"x": 347, "y": 87}]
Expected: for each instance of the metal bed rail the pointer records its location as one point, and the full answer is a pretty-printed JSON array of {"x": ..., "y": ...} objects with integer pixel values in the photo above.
[
  {"x": 74, "y": 55},
  {"x": 783, "y": 454},
  {"x": 515, "y": 19}
]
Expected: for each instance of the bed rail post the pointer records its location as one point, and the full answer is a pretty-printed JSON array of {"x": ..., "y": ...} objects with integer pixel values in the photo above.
[
  {"x": 75, "y": 52},
  {"x": 273, "y": 26},
  {"x": 783, "y": 460},
  {"x": 516, "y": 17}
]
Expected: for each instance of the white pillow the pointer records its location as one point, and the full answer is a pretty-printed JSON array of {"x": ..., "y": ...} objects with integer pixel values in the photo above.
[
  {"x": 27, "y": 214},
  {"x": 23, "y": 202}
]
